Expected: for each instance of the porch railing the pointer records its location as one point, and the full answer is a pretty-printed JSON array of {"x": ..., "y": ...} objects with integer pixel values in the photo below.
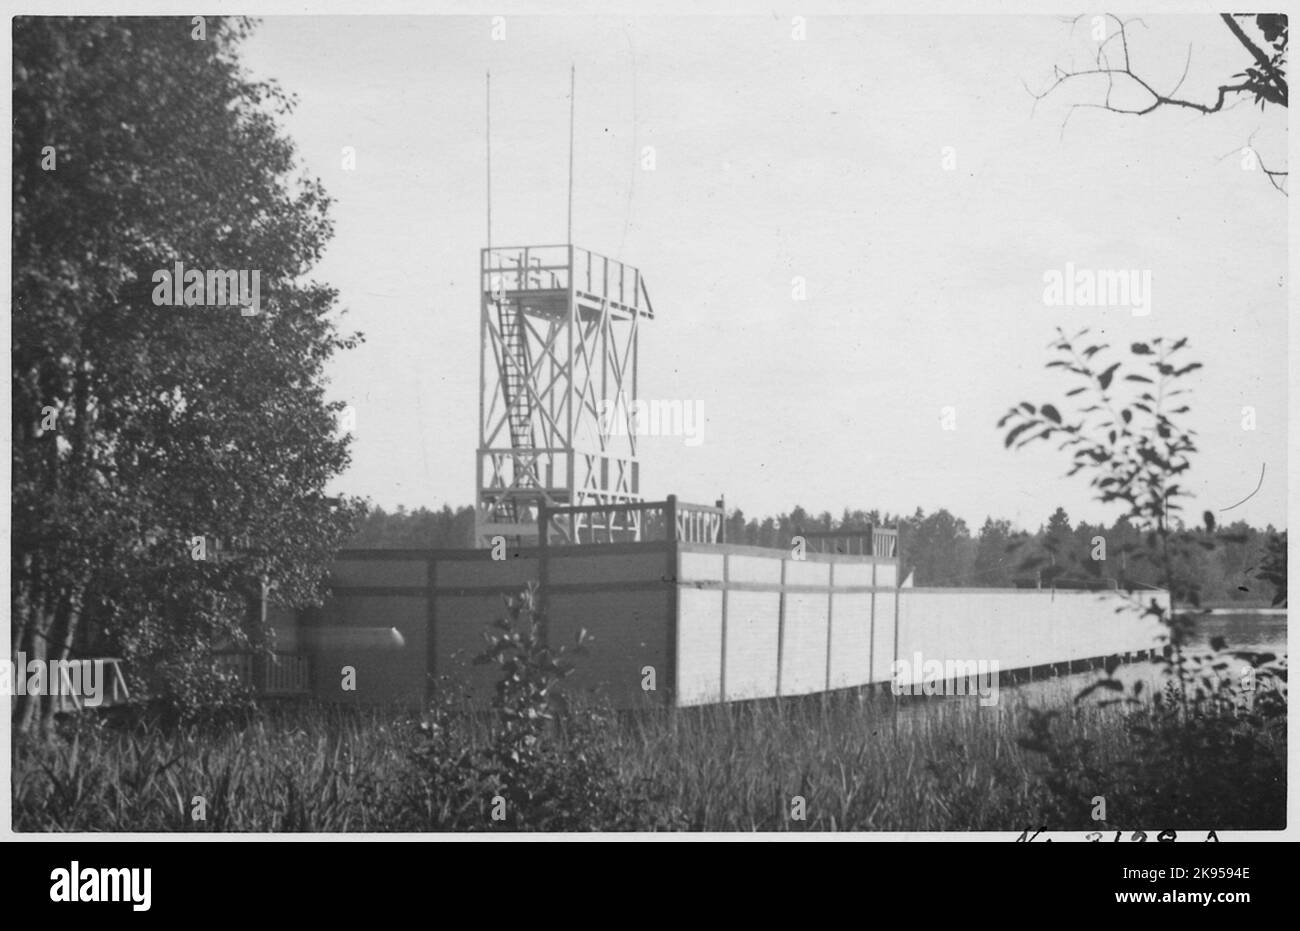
[
  {"x": 71, "y": 695},
  {"x": 276, "y": 674}
]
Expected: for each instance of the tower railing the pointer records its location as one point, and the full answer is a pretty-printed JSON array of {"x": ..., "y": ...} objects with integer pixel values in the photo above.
[
  {"x": 593, "y": 276},
  {"x": 871, "y": 541},
  {"x": 631, "y": 522}
]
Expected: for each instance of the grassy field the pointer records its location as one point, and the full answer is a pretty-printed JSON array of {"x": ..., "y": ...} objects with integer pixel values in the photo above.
[{"x": 845, "y": 761}]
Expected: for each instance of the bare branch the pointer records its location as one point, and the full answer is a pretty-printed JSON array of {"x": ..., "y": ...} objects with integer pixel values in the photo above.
[
  {"x": 1276, "y": 178},
  {"x": 1186, "y": 67},
  {"x": 1125, "y": 71},
  {"x": 1266, "y": 83}
]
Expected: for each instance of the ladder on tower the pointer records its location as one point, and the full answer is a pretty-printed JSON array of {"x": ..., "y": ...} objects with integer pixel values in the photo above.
[{"x": 519, "y": 413}]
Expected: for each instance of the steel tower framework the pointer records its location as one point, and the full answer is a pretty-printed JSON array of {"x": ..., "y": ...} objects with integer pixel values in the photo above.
[{"x": 558, "y": 378}]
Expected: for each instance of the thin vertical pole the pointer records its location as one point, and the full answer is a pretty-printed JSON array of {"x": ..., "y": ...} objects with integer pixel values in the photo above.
[
  {"x": 871, "y": 642},
  {"x": 780, "y": 632},
  {"x": 431, "y": 625},
  {"x": 898, "y": 584},
  {"x": 485, "y": 285},
  {"x": 674, "y": 597},
  {"x": 722, "y": 648},
  {"x": 898, "y": 598},
  {"x": 572, "y": 85},
  {"x": 544, "y": 566},
  {"x": 830, "y": 623}
]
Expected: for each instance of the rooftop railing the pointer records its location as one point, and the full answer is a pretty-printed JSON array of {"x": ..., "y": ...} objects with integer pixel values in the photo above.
[
  {"x": 871, "y": 541},
  {"x": 507, "y": 269},
  {"x": 632, "y": 521}
]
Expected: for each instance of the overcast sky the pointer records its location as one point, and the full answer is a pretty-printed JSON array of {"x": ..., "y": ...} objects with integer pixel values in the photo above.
[{"x": 775, "y": 159}]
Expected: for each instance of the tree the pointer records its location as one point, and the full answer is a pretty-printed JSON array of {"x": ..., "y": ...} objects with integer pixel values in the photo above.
[
  {"x": 166, "y": 460},
  {"x": 937, "y": 547},
  {"x": 1058, "y": 525},
  {"x": 736, "y": 527},
  {"x": 1263, "y": 77},
  {"x": 1127, "y": 439},
  {"x": 789, "y": 525},
  {"x": 1057, "y": 540},
  {"x": 1273, "y": 567},
  {"x": 992, "y": 554},
  {"x": 1228, "y": 706},
  {"x": 1126, "y": 434},
  {"x": 418, "y": 529}
]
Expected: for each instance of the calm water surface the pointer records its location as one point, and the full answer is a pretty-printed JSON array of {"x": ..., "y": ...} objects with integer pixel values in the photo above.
[{"x": 1258, "y": 633}]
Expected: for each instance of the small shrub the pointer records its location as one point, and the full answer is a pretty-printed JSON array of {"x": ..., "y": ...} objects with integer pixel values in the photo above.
[{"x": 1211, "y": 744}]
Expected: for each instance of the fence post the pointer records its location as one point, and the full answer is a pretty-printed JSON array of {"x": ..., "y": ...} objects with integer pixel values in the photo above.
[
  {"x": 898, "y": 588},
  {"x": 670, "y": 515}
]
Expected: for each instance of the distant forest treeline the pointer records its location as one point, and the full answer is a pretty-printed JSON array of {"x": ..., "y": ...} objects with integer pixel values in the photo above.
[{"x": 938, "y": 548}]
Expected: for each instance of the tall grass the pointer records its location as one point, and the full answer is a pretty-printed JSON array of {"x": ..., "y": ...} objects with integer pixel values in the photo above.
[{"x": 857, "y": 761}]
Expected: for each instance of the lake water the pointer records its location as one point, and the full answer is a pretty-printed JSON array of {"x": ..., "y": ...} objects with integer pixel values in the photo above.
[{"x": 1259, "y": 633}]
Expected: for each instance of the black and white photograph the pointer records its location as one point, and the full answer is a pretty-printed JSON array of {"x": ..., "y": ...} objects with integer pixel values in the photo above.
[{"x": 649, "y": 422}]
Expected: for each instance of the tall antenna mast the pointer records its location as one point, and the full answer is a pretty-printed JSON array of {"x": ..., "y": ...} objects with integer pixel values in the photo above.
[
  {"x": 572, "y": 82},
  {"x": 549, "y": 350},
  {"x": 488, "y": 136}
]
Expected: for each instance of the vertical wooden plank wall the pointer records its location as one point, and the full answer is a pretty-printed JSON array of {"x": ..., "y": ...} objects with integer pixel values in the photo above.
[
  {"x": 372, "y": 591},
  {"x": 757, "y": 623},
  {"x": 703, "y": 622},
  {"x": 443, "y": 602}
]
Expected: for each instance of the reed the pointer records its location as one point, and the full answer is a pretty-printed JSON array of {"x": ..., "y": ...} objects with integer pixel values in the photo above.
[{"x": 857, "y": 760}]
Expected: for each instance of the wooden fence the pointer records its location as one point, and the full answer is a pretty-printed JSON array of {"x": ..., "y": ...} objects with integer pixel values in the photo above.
[{"x": 277, "y": 674}]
